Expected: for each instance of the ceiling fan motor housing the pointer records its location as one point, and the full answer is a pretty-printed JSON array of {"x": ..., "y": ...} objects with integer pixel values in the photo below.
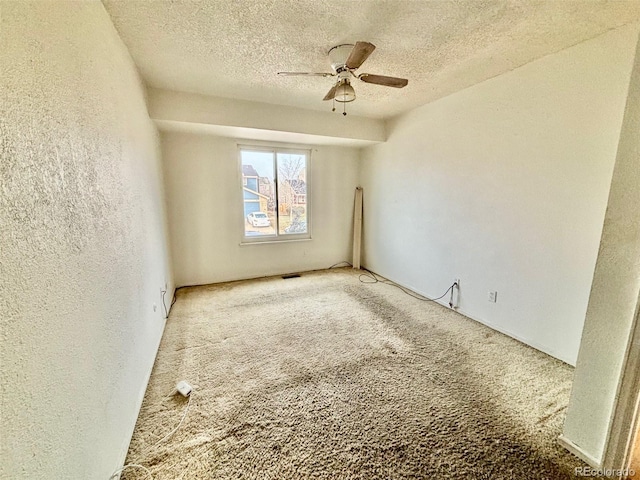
[{"x": 338, "y": 57}]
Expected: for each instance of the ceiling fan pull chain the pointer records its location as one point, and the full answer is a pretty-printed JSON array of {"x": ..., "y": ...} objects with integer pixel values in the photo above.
[{"x": 344, "y": 108}]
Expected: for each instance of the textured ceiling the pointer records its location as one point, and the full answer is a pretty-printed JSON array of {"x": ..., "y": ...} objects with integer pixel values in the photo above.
[{"x": 234, "y": 48}]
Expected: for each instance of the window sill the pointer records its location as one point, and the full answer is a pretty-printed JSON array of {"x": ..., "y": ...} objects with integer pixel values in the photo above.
[{"x": 271, "y": 242}]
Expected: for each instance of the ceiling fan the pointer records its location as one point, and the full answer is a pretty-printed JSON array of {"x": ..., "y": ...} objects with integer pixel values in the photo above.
[{"x": 345, "y": 60}]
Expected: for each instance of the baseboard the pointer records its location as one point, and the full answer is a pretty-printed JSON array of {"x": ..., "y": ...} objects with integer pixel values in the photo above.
[
  {"x": 247, "y": 277},
  {"x": 535, "y": 345},
  {"x": 125, "y": 450},
  {"x": 464, "y": 313},
  {"x": 579, "y": 452}
]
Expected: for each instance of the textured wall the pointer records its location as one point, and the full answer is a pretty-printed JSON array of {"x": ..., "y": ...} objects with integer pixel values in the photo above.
[
  {"x": 614, "y": 293},
  {"x": 206, "y": 214},
  {"x": 83, "y": 250},
  {"x": 504, "y": 185}
]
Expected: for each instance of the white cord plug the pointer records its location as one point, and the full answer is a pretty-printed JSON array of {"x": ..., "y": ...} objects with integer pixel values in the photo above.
[{"x": 184, "y": 388}]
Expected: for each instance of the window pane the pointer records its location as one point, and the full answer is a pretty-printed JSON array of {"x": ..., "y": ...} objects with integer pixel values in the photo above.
[
  {"x": 258, "y": 189},
  {"x": 292, "y": 193}
]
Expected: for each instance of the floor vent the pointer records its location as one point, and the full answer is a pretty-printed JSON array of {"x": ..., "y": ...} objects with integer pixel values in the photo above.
[{"x": 293, "y": 275}]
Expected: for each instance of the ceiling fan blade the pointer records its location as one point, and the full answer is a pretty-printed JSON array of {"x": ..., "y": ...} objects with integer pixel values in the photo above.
[
  {"x": 331, "y": 93},
  {"x": 359, "y": 54},
  {"x": 306, "y": 74},
  {"x": 382, "y": 80}
]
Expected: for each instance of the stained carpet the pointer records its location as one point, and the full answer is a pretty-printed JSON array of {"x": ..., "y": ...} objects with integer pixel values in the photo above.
[{"x": 324, "y": 377}]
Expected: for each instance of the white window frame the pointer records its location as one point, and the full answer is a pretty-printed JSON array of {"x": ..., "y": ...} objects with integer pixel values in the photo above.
[{"x": 276, "y": 237}]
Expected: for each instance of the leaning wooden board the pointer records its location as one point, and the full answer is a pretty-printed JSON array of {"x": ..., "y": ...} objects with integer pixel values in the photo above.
[{"x": 357, "y": 228}]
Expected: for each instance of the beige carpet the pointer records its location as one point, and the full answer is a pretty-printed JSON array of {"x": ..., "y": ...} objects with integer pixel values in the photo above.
[{"x": 323, "y": 377}]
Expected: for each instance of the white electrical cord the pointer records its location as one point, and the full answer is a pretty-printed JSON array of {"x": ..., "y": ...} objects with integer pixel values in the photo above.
[
  {"x": 184, "y": 415},
  {"x": 166, "y": 437},
  {"x": 131, "y": 465}
]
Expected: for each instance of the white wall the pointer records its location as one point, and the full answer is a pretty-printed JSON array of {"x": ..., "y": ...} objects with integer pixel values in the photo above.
[
  {"x": 82, "y": 242},
  {"x": 613, "y": 302},
  {"x": 206, "y": 213},
  {"x": 505, "y": 185}
]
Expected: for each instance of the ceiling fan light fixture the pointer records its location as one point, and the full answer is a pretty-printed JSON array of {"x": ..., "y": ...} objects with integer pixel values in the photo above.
[{"x": 345, "y": 92}]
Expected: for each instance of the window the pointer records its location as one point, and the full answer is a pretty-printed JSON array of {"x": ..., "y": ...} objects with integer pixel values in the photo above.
[{"x": 275, "y": 194}]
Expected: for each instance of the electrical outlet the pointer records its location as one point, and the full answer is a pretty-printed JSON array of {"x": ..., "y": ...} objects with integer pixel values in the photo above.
[
  {"x": 457, "y": 282},
  {"x": 493, "y": 296},
  {"x": 155, "y": 307}
]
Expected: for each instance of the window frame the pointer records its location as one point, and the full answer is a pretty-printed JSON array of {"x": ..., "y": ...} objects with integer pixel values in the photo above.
[{"x": 276, "y": 237}]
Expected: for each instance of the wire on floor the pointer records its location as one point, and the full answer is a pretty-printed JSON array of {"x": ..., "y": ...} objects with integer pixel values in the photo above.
[
  {"x": 174, "y": 298},
  {"x": 373, "y": 278},
  {"x": 184, "y": 415},
  {"x": 117, "y": 473},
  {"x": 341, "y": 263}
]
